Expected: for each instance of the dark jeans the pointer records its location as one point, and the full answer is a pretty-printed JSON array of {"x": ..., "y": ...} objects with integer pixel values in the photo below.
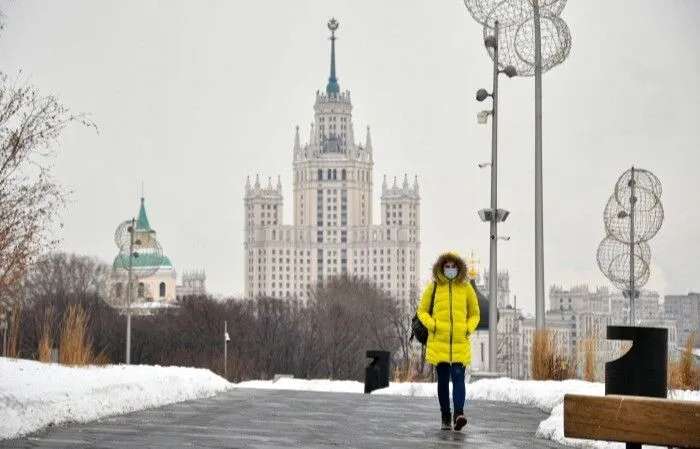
[{"x": 456, "y": 372}]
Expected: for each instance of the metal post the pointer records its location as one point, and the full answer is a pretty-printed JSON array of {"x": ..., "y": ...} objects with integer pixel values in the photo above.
[
  {"x": 128, "y": 292},
  {"x": 493, "y": 256},
  {"x": 633, "y": 200},
  {"x": 4, "y": 338},
  {"x": 516, "y": 335},
  {"x": 539, "y": 243},
  {"x": 225, "y": 349}
]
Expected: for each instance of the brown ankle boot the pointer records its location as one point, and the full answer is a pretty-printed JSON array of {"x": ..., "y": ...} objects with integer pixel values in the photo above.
[{"x": 460, "y": 420}]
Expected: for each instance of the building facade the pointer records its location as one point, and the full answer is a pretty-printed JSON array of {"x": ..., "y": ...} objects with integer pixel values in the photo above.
[
  {"x": 194, "y": 283},
  {"x": 647, "y": 308},
  {"x": 579, "y": 298},
  {"x": 685, "y": 311},
  {"x": 332, "y": 233}
]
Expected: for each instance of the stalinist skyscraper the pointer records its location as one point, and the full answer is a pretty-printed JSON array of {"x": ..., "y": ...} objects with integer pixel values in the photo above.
[{"x": 333, "y": 233}]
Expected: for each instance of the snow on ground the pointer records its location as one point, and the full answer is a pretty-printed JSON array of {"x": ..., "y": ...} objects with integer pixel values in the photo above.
[{"x": 34, "y": 395}]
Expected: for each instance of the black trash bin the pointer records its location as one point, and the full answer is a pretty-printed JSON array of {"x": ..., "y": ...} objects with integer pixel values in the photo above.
[
  {"x": 643, "y": 370},
  {"x": 377, "y": 372}
]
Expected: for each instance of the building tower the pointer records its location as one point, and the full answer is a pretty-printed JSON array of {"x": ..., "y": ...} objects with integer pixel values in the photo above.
[{"x": 332, "y": 232}]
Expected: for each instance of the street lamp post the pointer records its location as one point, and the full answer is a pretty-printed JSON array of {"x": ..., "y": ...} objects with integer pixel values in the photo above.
[
  {"x": 226, "y": 340},
  {"x": 128, "y": 291},
  {"x": 493, "y": 215},
  {"x": 539, "y": 238}
]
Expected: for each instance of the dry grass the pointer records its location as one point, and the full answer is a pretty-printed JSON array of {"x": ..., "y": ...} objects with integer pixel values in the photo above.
[
  {"x": 683, "y": 375},
  {"x": 548, "y": 363},
  {"x": 13, "y": 334},
  {"x": 410, "y": 373},
  {"x": 589, "y": 368},
  {"x": 542, "y": 354},
  {"x": 46, "y": 342},
  {"x": 75, "y": 346}
]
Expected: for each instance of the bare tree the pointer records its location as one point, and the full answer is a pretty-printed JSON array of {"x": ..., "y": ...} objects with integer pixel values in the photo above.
[
  {"x": 352, "y": 316},
  {"x": 30, "y": 198},
  {"x": 57, "y": 274}
]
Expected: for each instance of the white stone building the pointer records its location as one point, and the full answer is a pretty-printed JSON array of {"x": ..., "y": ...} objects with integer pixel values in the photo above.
[
  {"x": 647, "y": 308},
  {"x": 193, "y": 284},
  {"x": 579, "y": 298},
  {"x": 685, "y": 311},
  {"x": 332, "y": 232}
]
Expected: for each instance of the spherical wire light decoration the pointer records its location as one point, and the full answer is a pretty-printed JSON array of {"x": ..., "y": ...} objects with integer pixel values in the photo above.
[
  {"x": 648, "y": 213},
  {"x": 122, "y": 236},
  {"x": 643, "y": 179},
  {"x": 516, "y": 40},
  {"x": 633, "y": 215},
  {"x": 614, "y": 261},
  {"x": 146, "y": 253}
]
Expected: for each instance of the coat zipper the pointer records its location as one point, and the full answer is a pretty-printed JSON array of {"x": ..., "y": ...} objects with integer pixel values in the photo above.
[{"x": 451, "y": 321}]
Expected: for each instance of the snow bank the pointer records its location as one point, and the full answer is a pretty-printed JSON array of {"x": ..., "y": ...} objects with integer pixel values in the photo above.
[{"x": 34, "y": 395}]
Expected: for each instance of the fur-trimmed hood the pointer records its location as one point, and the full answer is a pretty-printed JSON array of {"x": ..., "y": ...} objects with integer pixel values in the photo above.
[{"x": 439, "y": 276}]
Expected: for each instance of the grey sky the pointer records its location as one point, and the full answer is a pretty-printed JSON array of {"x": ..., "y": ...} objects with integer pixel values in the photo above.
[{"x": 190, "y": 97}]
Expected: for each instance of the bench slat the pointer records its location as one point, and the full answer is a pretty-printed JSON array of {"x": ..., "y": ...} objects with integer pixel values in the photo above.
[{"x": 632, "y": 419}]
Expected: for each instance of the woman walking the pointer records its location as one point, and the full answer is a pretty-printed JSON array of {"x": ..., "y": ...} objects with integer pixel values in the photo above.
[{"x": 455, "y": 315}]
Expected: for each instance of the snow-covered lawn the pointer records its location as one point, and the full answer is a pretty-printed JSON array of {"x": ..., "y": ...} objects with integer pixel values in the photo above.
[{"x": 34, "y": 395}]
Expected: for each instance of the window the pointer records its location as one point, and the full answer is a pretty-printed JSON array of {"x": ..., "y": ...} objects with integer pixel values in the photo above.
[
  {"x": 343, "y": 175},
  {"x": 162, "y": 290},
  {"x": 320, "y": 174},
  {"x": 142, "y": 289},
  {"x": 118, "y": 290}
]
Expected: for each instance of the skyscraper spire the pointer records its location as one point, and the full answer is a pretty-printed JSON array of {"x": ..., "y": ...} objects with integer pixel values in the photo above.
[
  {"x": 332, "y": 86},
  {"x": 297, "y": 143}
]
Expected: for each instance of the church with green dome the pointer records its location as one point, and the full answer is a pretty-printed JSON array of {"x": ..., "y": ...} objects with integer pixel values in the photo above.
[{"x": 153, "y": 275}]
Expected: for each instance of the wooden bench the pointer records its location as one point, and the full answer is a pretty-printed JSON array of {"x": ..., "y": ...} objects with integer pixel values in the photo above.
[{"x": 633, "y": 419}]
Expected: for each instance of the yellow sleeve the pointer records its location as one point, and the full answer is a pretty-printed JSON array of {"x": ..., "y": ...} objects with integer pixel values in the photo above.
[
  {"x": 473, "y": 312},
  {"x": 424, "y": 308}
]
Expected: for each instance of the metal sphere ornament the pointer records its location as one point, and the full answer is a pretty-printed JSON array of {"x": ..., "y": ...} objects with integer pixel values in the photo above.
[{"x": 633, "y": 215}]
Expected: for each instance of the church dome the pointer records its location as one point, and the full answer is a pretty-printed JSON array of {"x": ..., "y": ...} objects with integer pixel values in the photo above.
[{"x": 144, "y": 258}]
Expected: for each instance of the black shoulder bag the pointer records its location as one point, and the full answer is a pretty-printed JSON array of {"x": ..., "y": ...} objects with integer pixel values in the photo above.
[{"x": 418, "y": 329}]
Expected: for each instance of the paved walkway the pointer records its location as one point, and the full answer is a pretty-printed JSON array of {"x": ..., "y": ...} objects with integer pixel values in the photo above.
[{"x": 275, "y": 419}]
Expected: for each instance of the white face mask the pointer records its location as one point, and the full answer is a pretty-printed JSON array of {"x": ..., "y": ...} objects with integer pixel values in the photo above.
[{"x": 450, "y": 273}]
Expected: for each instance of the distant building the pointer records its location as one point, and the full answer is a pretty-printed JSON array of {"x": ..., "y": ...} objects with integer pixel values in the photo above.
[
  {"x": 579, "y": 298},
  {"x": 193, "y": 284},
  {"x": 332, "y": 232},
  {"x": 685, "y": 311},
  {"x": 647, "y": 308},
  {"x": 153, "y": 277}
]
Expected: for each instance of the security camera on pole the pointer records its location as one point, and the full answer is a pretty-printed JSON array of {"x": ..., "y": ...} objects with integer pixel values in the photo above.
[{"x": 493, "y": 215}]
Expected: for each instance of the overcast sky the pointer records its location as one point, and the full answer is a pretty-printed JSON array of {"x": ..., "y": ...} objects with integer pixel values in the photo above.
[{"x": 191, "y": 97}]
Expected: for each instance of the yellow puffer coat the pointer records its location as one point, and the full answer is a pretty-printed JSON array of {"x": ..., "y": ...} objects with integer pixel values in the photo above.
[{"x": 455, "y": 314}]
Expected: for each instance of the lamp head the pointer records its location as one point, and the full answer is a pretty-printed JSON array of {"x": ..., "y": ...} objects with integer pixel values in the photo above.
[
  {"x": 510, "y": 71},
  {"x": 482, "y": 117},
  {"x": 481, "y": 95},
  {"x": 490, "y": 42}
]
